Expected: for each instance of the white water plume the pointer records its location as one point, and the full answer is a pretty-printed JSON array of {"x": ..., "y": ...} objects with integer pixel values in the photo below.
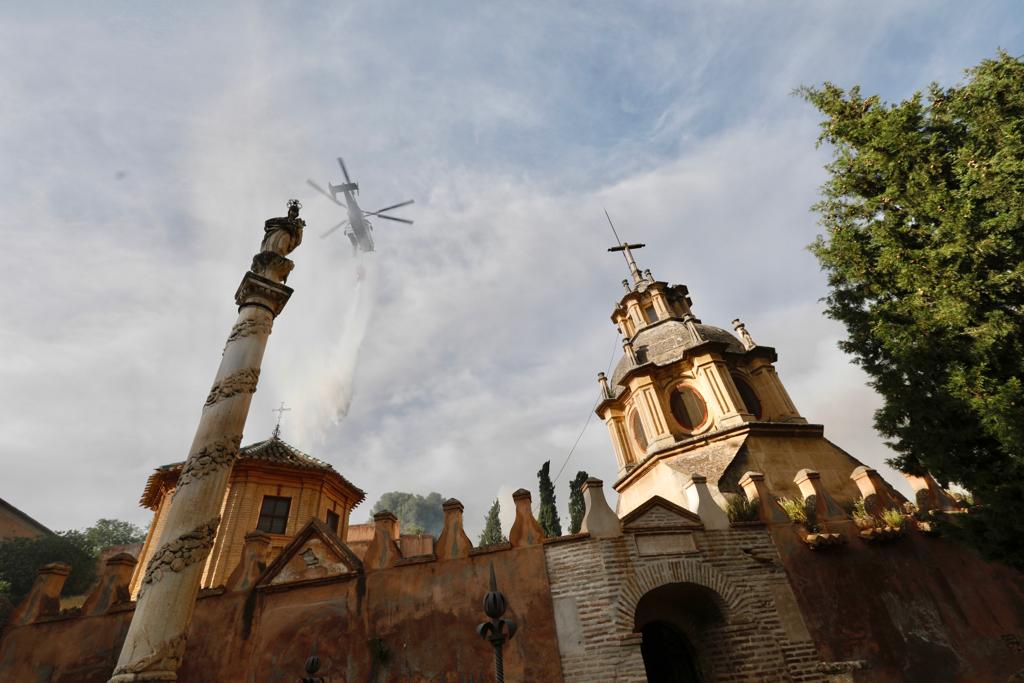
[{"x": 324, "y": 392}]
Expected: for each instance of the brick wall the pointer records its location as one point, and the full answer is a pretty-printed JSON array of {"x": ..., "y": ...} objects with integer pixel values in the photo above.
[{"x": 596, "y": 585}]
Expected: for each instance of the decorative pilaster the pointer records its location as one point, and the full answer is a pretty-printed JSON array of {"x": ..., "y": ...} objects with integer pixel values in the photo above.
[
  {"x": 873, "y": 489},
  {"x": 652, "y": 413},
  {"x": 715, "y": 377},
  {"x": 43, "y": 599},
  {"x": 826, "y": 508},
  {"x": 599, "y": 520},
  {"x": 775, "y": 400},
  {"x": 769, "y": 510},
  {"x": 703, "y": 503},
  {"x": 383, "y": 551},
  {"x": 155, "y": 643},
  {"x": 526, "y": 529},
  {"x": 616, "y": 429},
  {"x": 453, "y": 542}
]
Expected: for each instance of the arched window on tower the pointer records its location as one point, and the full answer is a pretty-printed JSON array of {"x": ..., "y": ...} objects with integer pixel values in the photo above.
[
  {"x": 636, "y": 426},
  {"x": 750, "y": 399}
]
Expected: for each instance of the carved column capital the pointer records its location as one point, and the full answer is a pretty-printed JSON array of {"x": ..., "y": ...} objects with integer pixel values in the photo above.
[{"x": 256, "y": 290}]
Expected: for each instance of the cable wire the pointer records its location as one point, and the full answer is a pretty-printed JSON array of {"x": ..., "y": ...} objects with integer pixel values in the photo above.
[{"x": 590, "y": 415}]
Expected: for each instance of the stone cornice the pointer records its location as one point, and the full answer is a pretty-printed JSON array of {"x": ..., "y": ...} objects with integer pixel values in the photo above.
[{"x": 695, "y": 442}]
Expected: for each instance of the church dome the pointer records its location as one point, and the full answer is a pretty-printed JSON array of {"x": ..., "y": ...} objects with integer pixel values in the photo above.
[{"x": 667, "y": 341}]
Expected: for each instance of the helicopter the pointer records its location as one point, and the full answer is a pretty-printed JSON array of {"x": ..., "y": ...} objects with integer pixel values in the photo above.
[{"x": 357, "y": 228}]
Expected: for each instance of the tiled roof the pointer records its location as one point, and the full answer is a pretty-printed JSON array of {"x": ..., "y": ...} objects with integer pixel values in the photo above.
[
  {"x": 272, "y": 450},
  {"x": 275, "y": 450}
]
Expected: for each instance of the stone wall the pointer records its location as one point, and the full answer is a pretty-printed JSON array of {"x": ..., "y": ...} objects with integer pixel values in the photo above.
[
  {"x": 413, "y": 621},
  {"x": 915, "y": 608},
  {"x": 597, "y": 584}
]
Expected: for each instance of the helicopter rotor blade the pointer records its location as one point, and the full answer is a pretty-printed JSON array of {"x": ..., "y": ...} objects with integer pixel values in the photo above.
[
  {"x": 344, "y": 170},
  {"x": 323, "y": 192},
  {"x": 339, "y": 225},
  {"x": 398, "y": 220},
  {"x": 389, "y": 208}
]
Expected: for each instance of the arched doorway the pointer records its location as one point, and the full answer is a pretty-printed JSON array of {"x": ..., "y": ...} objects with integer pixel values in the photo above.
[
  {"x": 668, "y": 655},
  {"x": 674, "y": 620}
]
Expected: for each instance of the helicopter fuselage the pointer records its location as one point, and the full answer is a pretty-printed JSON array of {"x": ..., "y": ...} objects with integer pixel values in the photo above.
[{"x": 359, "y": 230}]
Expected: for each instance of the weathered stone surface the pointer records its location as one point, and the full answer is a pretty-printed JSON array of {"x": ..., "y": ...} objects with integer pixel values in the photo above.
[
  {"x": 453, "y": 541},
  {"x": 383, "y": 551},
  {"x": 265, "y": 633},
  {"x": 526, "y": 529},
  {"x": 599, "y": 520},
  {"x": 704, "y": 505}
]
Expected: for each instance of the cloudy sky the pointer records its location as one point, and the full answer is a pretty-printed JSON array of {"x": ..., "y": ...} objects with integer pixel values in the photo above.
[{"x": 141, "y": 148}]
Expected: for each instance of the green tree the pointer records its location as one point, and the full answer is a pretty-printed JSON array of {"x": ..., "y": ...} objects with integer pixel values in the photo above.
[
  {"x": 492, "y": 526},
  {"x": 548, "y": 516},
  {"x": 923, "y": 213},
  {"x": 576, "y": 505},
  {"x": 21, "y": 558},
  {"x": 110, "y": 532},
  {"x": 417, "y": 514}
]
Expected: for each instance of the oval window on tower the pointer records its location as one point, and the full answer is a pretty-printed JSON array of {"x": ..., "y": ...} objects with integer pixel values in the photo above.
[
  {"x": 688, "y": 407},
  {"x": 637, "y": 428},
  {"x": 750, "y": 398}
]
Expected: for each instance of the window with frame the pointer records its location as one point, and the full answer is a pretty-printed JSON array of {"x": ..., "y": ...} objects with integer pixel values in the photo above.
[
  {"x": 750, "y": 399},
  {"x": 652, "y": 315},
  {"x": 333, "y": 520},
  {"x": 274, "y": 514},
  {"x": 688, "y": 407}
]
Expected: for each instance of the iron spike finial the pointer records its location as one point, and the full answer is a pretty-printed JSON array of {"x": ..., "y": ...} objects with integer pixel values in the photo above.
[{"x": 497, "y": 631}]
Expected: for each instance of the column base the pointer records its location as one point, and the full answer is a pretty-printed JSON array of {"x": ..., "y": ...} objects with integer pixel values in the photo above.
[{"x": 144, "y": 676}]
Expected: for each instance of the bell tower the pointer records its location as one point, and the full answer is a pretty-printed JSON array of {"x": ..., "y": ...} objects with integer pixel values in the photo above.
[{"x": 685, "y": 397}]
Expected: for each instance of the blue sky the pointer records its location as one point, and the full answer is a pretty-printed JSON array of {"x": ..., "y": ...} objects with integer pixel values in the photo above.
[{"x": 143, "y": 146}]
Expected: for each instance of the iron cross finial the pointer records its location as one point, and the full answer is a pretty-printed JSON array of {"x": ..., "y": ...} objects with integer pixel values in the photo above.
[{"x": 280, "y": 413}]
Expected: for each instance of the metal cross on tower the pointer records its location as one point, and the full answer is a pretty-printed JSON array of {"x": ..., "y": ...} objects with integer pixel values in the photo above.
[
  {"x": 280, "y": 413},
  {"x": 627, "y": 250}
]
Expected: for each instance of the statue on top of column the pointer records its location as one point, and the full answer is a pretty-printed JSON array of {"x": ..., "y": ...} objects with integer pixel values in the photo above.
[{"x": 281, "y": 237}]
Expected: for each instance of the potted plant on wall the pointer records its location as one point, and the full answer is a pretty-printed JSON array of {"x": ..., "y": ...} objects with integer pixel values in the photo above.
[
  {"x": 887, "y": 525},
  {"x": 802, "y": 512}
]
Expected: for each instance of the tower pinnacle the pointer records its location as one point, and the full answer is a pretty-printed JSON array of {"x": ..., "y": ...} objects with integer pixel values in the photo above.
[{"x": 627, "y": 251}]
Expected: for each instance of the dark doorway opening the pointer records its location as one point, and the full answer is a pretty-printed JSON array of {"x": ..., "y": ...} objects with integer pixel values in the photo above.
[{"x": 668, "y": 655}]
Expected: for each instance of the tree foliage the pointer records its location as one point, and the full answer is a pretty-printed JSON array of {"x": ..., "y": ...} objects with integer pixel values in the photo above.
[
  {"x": 576, "y": 505},
  {"x": 924, "y": 251},
  {"x": 548, "y": 516},
  {"x": 21, "y": 558},
  {"x": 110, "y": 532},
  {"x": 417, "y": 514},
  {"x": 492, "y": 526}
]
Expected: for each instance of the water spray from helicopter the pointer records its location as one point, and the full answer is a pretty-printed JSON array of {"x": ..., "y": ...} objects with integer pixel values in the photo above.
[{"x": 337, "y": 387}]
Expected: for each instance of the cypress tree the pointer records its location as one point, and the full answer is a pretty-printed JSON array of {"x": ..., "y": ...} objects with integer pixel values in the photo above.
[
  {"x": 492, "y": 526},
  {"x": 548, "y": 516},
  {"x": 576, "y": 505}
]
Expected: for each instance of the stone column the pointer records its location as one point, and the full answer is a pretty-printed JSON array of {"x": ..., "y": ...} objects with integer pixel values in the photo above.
[{"x": 155, "y": 643}]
